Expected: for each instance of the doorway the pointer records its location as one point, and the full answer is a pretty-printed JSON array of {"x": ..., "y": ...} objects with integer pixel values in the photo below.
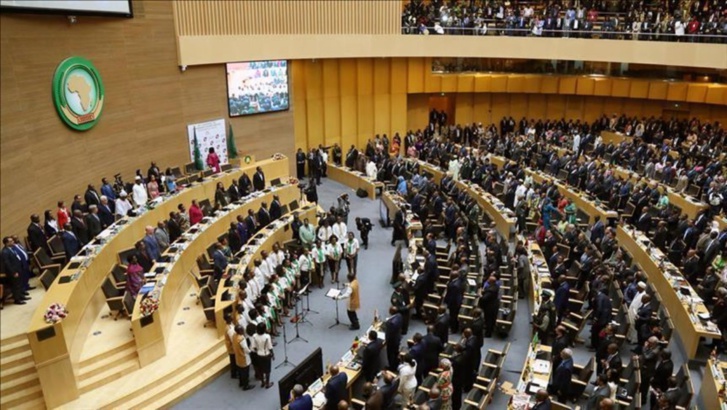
[{"x": 442, "y": 103}]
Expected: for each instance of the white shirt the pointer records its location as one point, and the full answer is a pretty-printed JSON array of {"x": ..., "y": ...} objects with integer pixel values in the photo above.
[
  {"x": 351, "y": 247},
  {"x": 269, "y": 268},
  {"x": 519, "y": 193},
  {"x": 306, "y": 263},
  {"x": 253, "y": 290},
  {"x": 454, "y": 169},
  {"x": 334, "y": 251},
  {"x": 140, "y": 195},
  {"x": 261, "y": 344},
  {"x": 324, "y": 233},
  {"x": 340, "y": 230},
  {"x": 319, "y": 254},
  {"x": 576, "y": 142},
  {"x": 371, "y": 170},
  {"x": 123, "y": 206},
  {"x": 636, "y": 303},
  {"x": 407, "y": 378},
  {"x": 679, "y": 28}
]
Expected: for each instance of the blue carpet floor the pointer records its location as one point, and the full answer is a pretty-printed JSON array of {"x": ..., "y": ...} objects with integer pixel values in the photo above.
[{"x": 374, "y": 276}]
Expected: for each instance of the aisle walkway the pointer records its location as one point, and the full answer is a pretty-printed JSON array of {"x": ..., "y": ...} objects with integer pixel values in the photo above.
[{"x": 375, "y": 272}]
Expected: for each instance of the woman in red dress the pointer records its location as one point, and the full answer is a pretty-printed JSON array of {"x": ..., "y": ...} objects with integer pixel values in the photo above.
[
  {"x": 213, "y": 161},
  {"x": 63, "y": 217},
  {"x": 195, "y": 213}
]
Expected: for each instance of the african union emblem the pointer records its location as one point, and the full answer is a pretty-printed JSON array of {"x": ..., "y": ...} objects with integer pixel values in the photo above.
[{"x": 78, "y": 93}]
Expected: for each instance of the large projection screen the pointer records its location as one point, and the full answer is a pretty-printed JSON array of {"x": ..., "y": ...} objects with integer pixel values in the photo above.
[
  {"x": 120, "y": 8},
  {"x": 257, "y": 87}
]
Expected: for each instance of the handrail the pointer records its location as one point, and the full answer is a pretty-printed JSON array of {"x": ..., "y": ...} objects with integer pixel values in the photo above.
[{"x": 603, "y": 34}]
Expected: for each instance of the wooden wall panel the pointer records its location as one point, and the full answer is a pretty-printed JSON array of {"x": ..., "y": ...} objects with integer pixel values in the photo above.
[
  {"x": 349, "y": 121},
  {"x": 482, "y": 111},
  {"x": 537, "y": 106},
  {"x": 465, "y": 83},
  {"x": 399, "y": 71},
  {"x": 248, "y": 17},
  {"x": 382, "y": 114},
  {"x": 464, "y": 108},
  {"x": 417, "y": 114},
  {"x": 621, "y": 87},
  {"x": 415, "y": 75},
  {"x": 398, "y": 114},
  {"x": 658, "y": 90},
  {"x": 602, "y": 87},
  {"x": 149, "y": 102}
]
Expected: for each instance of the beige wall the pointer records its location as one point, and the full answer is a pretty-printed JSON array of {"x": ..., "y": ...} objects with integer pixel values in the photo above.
[
  {"x": 205, "y": 49},
  {"x": 148, "y": 104}
]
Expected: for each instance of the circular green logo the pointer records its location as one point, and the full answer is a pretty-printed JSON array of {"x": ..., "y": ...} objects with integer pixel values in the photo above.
[
  {"x": 78, "y": 93},
  {"x": 248, "y": 159}
]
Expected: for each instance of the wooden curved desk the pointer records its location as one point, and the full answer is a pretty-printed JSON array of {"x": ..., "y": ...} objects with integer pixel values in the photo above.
[
  {"x": 354, "y": 179},
  {"x": 57, "y": 347},
  {"x": 683, "y": 314},
  {"x": 151, "y": 333}
]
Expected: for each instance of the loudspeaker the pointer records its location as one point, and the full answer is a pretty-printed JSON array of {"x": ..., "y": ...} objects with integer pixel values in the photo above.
[{"x": 362, "y": 193}]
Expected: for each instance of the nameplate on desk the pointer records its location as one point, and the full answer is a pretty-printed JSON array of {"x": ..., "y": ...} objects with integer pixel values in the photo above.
[
  {"x": 45, "y": 334},
  {"x": 64, "y": 279}
]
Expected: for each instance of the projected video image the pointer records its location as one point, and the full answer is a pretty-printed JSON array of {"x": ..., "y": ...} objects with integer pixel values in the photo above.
[{"x": 257, "y": 87}]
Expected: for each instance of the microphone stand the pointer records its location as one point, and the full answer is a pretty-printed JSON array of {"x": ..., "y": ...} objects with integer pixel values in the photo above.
[
  {"x": 338, "y": 322},
  {"x": 285, "y": 350},
  {"x": 297, "y": 333}
]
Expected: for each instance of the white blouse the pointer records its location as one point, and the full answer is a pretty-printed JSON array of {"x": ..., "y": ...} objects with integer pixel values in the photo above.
[{"x": 261, "y": 344}]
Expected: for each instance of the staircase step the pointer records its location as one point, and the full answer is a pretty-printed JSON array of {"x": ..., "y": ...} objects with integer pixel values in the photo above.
[
  {"x": 13, "y": 339},
  {"x": 141, "y": 397},
  {"x": 90, "y": 361},
  {"x": 12, "y": 400},
  {"x": 189, "y": 385},
  {"x": 21, "y": 370},
  {"x": 170, "y": 387},
  {"x": 109, "y": 362},
  {"x": 105, "y": 377},
  {"x": 20, "y": 383},
  {"x": 35, "y": 404},
  {"x": 16, "y": 347},
  {"x": 8, "y": 362}
]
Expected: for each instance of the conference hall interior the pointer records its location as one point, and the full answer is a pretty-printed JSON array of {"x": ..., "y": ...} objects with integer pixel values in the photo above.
[{"x": 381, "y": 205}]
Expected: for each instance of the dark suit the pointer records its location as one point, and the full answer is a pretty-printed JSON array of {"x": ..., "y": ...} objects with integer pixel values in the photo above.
[
  {"x": 263, "y": 217},
  {"x": 251, "y": 225},
  {"x": 258, "y": 181},
  {"x": 37, "y": 238},
  {"x": 93, "y": 224},
  {"x": 79, "y": 228},
  {"x": 453, "y": 300},
  {"x": 304, "y": 402},
  {"x": 370, "y": 363},
  {"x": 543, "y": 405},
  {"x": 336, "y": 390},
  {"x": 220, "y": 263},
  {"x": 11, "y": 265},
  {"x": 275, "y": 210},
  {"x": 389, "y": 392},
  {"x": 644, "y": 223},
  {"x": 490, "y": 305},
  {"x": 175, "y": 231},
  {"x": 71, "y": 244},
  {"x": 393, "y": 339},
  {"x": 430, "y": 357},
  {"x": 245, "y": 185},
  {"x": 662, "y": 372},
  {"x": 233, "y": 192},
  {"x": 91, "y": 197},
  {"x": 441, "y": 327},
  {"x": 106, "y": 215},
  {"x": 561, "y": 380}
]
